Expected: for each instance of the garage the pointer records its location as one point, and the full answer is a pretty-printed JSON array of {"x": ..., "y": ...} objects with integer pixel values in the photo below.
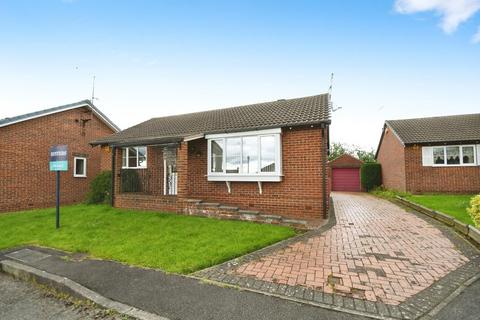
[{"x": 346, "y": 173}]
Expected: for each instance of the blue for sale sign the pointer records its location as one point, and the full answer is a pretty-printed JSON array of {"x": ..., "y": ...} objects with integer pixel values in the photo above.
[{"x": 59, "y": 158}]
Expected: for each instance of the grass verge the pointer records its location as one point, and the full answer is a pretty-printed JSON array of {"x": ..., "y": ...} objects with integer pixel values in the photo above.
[{"x": 453, "y": 205}]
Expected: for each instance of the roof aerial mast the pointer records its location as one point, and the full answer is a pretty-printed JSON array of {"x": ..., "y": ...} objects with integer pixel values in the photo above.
[
  {"x": 330, "y": 89},
  {"x": 93, "y": 89}
]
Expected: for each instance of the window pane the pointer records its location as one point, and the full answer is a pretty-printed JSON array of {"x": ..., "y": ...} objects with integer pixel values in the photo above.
[
  {"x": 124, "y": 157},
  {"x": 142, "y": 156},
  {"x": 453, "y": 155},
  {"x": 250, "y": 155},
  {"x": 468, "y": 155},
  {"x": 438, "y": 155},
  {"x": 267, "y": 145},
  {"x": 233, "y": 154},
  {"x": 132, "y": 157},
  {"x": 216, "y": 156},
  {"x": 79, "y": 169}
]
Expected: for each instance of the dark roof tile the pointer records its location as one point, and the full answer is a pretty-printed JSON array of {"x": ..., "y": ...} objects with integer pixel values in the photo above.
[
  {"x": 84, "y": 103},
  {"x": 455, "y": 128},
  {"x": 280, "y": 113}
]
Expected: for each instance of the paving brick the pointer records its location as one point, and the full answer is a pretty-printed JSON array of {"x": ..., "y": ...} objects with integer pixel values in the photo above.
[{"x": 375, "y": 252}]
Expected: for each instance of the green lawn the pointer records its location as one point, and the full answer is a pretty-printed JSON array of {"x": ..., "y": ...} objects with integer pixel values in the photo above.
[
  {"x": 453, "y": 205},
  {"x": 173, "y": 243}
]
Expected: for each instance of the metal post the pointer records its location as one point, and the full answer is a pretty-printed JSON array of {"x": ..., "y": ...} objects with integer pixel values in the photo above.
[{"x": 58, "y": 201}]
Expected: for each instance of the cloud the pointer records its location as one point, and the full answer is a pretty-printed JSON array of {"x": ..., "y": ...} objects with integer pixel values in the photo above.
[
  {"x": 476, "y": 37},
  {"x": 453, "y": 12}
]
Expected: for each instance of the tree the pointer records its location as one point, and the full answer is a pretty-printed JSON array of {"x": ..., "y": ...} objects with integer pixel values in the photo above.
[{"x": 337, "y": 149}]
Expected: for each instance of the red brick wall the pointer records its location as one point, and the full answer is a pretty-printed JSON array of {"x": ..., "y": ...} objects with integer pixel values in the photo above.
[
  {"x": 391, "y": 155},
  {"x": 438, "y": 179},
  {"x": 345, "y": 161},
  {"x": 299, "y": 194},
  {"x": 25, "y": 179}
]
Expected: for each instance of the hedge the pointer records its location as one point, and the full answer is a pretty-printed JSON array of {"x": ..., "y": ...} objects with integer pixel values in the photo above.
[{"x": 371, "y": 175}]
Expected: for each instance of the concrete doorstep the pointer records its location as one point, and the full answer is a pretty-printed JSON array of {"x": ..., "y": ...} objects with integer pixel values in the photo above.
[{"x": 72, "y": 288}]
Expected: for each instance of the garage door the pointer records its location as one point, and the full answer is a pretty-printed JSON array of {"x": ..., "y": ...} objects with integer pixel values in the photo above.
[{"x": 346, "y": 179}]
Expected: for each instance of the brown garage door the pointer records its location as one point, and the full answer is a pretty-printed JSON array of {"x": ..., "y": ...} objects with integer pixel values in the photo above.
[{"x": 346, "y": 179}]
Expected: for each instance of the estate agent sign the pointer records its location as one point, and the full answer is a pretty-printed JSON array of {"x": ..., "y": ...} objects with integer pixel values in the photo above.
[
  {"x": 58, "y": 158},
  {"x": 58, "y": 162}
]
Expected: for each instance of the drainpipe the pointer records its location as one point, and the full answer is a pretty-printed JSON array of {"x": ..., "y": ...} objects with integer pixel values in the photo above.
[
  {"x": 324, "y": 172},
  {"x": 112, "y": 192}
]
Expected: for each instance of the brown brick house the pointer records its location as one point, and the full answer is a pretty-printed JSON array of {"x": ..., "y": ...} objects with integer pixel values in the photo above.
[
  {"x": 266, "y": 159},
  {"x": 438, "y": 154},
  {"x": 25, "y": 140}
]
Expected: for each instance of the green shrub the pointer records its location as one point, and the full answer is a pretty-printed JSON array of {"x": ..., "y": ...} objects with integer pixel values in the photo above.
[
  {"x": 130, "y": 181},
  {"x": 100, "y": 188},
  {"x": 371, "y": 175},
  {"x": 474, "y": 210},
  {"x": 382, "y": 192}
]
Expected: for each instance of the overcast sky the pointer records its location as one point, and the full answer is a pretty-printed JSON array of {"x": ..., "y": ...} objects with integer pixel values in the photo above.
[{"x": 391, "y": 59}]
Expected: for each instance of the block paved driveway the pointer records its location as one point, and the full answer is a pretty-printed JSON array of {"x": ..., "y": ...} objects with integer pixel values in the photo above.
[{"x": 376, "y": 252}]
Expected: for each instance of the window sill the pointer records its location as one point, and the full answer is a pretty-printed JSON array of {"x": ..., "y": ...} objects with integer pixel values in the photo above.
[
  {"x": 77, "y": 176},
  {"x": 245, "y": 178},
  {"x": 133, "y": 168},
  {"x": 453, "y": 165}
]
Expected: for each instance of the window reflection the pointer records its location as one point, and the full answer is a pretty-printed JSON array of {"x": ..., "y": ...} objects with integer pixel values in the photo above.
[
  {"x": 233, "y": 155},
  {"x": 267, "y": 151},
  {"x": 216, "y": 159}
]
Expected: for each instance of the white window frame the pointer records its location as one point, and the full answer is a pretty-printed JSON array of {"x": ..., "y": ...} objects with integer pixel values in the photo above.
[
  {"x": 125, "y": 152},
  {"x": 256, "y": 177},
  {"x": 84, "y": 175},
  {"x": 461, "y": 164}
]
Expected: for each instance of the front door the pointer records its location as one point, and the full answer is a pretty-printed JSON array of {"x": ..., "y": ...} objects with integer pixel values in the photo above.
[{"x": 170, "y": 171}]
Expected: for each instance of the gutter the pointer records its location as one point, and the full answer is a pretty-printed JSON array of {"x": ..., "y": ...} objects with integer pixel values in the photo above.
[{"x": 324, "y": 170}]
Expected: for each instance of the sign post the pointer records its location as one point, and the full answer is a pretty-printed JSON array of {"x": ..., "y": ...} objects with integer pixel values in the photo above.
[{"x": 58, "y": 162}]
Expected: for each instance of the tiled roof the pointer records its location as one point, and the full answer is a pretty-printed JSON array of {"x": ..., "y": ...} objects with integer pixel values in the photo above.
[
  {"x": 280, "y": 113},
  {"x": 455, "y": 128},
  {"x": 84, "y": 103}
]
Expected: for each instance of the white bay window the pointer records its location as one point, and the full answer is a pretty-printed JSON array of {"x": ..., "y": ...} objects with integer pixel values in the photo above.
[
  {"x": 245, "y": 156},
  {"x": 459, "y": 155}
]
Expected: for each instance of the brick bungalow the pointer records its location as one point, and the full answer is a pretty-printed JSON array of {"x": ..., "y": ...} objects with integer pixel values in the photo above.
[
  {"x": 438, "y": 154},
  {"x": 263, "y": 162},
  {"x": 25, "y": 140}
]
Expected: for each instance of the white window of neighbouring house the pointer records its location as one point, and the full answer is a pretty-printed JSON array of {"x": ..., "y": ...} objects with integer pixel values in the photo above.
[
  {"x": 245, "y": 156},
  {"x": 463, "y": 155},
  {"x": 80, "y": 167},
  {"x": 134, "y": 158}
]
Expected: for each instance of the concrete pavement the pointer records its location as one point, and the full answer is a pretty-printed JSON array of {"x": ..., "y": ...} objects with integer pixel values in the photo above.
[{"x": 21, "y": 300}]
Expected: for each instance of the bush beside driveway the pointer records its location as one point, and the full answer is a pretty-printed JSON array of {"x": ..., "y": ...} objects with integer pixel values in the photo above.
[{"x": 170, "y": 242}]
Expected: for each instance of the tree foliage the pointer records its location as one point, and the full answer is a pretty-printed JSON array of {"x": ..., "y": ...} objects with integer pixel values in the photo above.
[{"x": 337, "y": 149}]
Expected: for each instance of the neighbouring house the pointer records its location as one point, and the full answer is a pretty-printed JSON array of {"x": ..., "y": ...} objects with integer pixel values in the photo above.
[
  {"x": 265, "y": 161},
  {"x": 345, "y": 172},
  {"x": 25, "y": 141},
  {"x": 438, "y": 154}
]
